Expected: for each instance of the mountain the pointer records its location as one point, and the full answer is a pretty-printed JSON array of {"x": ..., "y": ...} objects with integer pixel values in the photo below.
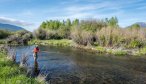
[
  {"x": 141, "y": 24},
  {"x": 10, "y": 27}
]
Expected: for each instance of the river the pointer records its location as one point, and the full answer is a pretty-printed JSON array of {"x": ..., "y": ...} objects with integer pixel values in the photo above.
[{"x": 64, "y": 65}]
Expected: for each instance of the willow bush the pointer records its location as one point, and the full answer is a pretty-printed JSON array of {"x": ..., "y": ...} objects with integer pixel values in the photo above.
[
  {"x": 4, "y": 34},
  {"x": 93, "y": 32},
  {"x": 121, "y": 37},
  {"x": 82, "y": 37}
]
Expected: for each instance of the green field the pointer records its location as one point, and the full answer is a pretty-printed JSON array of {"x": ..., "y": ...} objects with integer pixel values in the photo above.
[{"x": 11, "y": 73}]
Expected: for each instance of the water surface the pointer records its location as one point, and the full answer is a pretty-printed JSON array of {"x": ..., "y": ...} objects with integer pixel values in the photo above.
[{"x": 64, "y": 65}]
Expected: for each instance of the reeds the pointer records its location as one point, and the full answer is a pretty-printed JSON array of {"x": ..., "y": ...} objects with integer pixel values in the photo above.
[
  {"x": 117, "y": 37},
  {"x": 11, "y": 54},
  {"x": 23, "y": 60},
  {"x": 82, "y": 37}
]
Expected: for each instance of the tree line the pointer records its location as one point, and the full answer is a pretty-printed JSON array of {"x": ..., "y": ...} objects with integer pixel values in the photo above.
[
  {"x": 104, "y": 32},
  {"x": 93, "y": 32}
]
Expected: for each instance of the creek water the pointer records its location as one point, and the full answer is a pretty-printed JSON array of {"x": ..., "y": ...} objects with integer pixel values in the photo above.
[{"x": 64, "y": 65}]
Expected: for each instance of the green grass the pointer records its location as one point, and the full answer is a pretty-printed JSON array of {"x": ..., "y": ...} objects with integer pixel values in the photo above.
[
  {"x": 11, "y": 73},
  {"x": 100, "y": 49},
  {"x": 119, "y": 53},
  {"x": 63, "y": 42},
  {"x": 141, "y": 51},
  {"x": 2, "y": 41}
]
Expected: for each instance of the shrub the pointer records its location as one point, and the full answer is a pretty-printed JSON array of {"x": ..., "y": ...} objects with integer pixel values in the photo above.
[
  {"x": 82, "y": 37},
  {"x": 135, "y": 44},
  {"x": 52, "y": 35},
  {"x": 40, "y": 34},
  {"x": 21, "y": 37},
  {"x": 63, "y": 32},
  {"x": 4, "y": 34},
  {"x": 116, "y": 37},
  {"x": 109, "y": 36},
  {"x": 142, "y": 51}
]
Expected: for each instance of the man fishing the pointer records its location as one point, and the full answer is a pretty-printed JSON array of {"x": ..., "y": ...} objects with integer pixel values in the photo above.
[{"x": 35, "y": 52}]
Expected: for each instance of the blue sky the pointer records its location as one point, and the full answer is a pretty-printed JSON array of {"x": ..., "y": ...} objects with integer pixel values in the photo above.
[{"x": 30, "y": 13}]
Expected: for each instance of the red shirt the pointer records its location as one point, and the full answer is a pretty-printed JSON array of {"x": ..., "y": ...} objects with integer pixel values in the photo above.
[{"x": 36, "y": 50}]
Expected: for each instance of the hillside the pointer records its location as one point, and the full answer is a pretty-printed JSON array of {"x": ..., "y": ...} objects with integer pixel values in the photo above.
[
  {"x": 10, "y": 27},
  {"x": 141, "y": 24}
]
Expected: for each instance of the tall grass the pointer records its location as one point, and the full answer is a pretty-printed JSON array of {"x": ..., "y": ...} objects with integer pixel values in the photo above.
[
  {"x": 10, "y": 73},
  {"x": 23, "y": 60},
  {"x": 114, "y": 37},
  {"x": 11, "y": 54},
  {"x": 82, "y": 37}
]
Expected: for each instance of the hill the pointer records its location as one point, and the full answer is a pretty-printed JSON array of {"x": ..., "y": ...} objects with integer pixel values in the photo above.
[
  {"x": 141, "y": 24},
  {"x": 10, "y": 27}
]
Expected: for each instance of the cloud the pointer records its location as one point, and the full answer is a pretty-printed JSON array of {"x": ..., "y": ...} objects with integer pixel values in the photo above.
[
  {"x": 14, "y": 21},
  {"x": 38, "y": 11}
]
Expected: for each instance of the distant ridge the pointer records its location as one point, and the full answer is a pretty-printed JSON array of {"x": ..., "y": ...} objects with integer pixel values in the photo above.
[
  {"x": 10, "y": 27},
  {"x": 141, "y": 24}
]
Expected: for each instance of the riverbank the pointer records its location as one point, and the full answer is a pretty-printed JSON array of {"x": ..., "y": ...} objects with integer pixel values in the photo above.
[
  {"x": 11, "y": 73},
  {"x": 63, "y": 42},
  {"x": 2, "y": 41},
  {"x": 106, "y": 50}
]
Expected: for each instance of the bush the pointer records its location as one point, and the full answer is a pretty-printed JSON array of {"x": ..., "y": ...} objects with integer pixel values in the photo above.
[
  {"x": 87, "y": 32},
  {"x": 63, "y": 32},
  {"x": 142, "y": 51},
  {"x": 4, "y": 34},
  {"x": 116, "y": 37},
  {"x": 45, "y": 34},
  {"x": 52, "y": 35},
  {"x": 82, "y": 37},
  {"x": 135, "y": 44},
  {"x": 21, "y": 37},
  {"x": 2, "y": 42},
  {"x": 40, "y": 34}
]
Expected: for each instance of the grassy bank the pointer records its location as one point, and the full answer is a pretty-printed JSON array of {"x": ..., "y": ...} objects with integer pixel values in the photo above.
[
  {"x": 2, "y": 41},
  {"x": 63, "y": 42},
  {"x": 11, "y": 73},
  {"x": 104, "y": 50}
]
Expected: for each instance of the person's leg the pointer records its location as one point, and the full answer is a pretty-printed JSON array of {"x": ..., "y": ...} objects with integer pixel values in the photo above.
[{"x": 34, "y": 56}]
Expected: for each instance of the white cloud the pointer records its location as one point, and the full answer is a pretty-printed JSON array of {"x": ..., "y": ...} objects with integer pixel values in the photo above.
[{"x": 14, "y": 21}]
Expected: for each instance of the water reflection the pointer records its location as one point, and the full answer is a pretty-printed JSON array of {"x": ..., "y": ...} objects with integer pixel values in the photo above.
[
  {"x": 33, "y": 71},
  {"x": 75, "y": 66},
  {"x": 36, "y": 69}
]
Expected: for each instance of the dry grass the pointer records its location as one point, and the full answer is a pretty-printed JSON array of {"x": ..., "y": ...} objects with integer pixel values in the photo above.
[
  {"x": 24, "y": 59},
  {"x": 11, "y": 54},
  {"x": 81, "y": 36},
  {"x": 117, "y": 36}
]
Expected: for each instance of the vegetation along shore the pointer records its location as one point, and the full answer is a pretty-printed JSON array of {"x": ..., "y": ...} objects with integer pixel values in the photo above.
[
  {"x": 12, "y": 72},
  {"x": 101, "y": 35}
]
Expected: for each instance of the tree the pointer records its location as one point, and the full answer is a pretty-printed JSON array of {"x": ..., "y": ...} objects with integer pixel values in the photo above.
[
  {"x": 68, "y": 22},
  {"x": 43, "y": 25},
  {"x": 135, "y": 26},
  {"x": 76, "y": 22},
  {"x": 112, "y": 22}
]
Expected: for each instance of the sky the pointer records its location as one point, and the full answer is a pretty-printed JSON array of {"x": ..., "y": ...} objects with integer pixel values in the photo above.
[{"x": 31, "y": 13}]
